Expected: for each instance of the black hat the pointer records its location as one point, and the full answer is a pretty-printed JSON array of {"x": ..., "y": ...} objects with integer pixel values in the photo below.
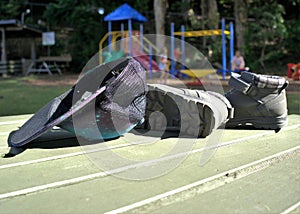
[{"x": 108, "y": 101}]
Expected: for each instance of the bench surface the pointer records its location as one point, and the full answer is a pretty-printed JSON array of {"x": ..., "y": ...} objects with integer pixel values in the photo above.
[{"x": 249, "y": 171}]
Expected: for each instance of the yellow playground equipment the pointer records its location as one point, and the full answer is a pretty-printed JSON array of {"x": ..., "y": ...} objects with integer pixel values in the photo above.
[{"x": 138, "y": 40}]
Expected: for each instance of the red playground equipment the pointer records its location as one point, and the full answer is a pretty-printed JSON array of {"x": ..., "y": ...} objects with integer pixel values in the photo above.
[{"x": 293, "y": 71}]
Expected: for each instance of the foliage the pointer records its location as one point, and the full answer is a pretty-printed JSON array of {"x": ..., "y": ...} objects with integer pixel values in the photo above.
[
  {"x": 10, "y": 9},
  {"x": 266, "y": 33},
  {"x": 292, "y": 42},
  {"x": 82, "y": 16},
  {"x": 88, "y": 25},
  {"x": 272, "y": 38}
]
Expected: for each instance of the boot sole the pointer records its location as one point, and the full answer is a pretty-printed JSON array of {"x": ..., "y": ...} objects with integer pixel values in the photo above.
[
  {"x": 171, "y": 111},
  {"x": 270, "y": 123}
]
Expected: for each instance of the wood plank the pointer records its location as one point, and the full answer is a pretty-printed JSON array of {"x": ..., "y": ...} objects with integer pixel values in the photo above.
[
  {"x": 111, "y": 192},
  {"x": 272, "y": 190}
]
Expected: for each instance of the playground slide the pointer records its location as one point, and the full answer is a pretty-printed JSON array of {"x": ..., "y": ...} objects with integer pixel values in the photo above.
[
  {"x": 114, "y": 55},
  {"x": 144, "y": 59},
  {"x": 141, "y": 57}
]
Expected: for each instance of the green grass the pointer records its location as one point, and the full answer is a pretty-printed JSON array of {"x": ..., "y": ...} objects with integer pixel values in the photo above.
[
  {"x": 293, "y": 103},
  {"x": 17, "y": 97}
]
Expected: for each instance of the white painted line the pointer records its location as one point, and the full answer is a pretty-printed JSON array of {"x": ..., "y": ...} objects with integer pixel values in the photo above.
[
  {"x": 122, "y": 169},
  {"x": 12, "y": 122},
  {"x": 125, "y": 145},
  {"x": 206, "y": 180},
  {"x": 62, "y": 156},
  {"x": 4, "y": 133},
  {"x": 67, "y": 155},
  {"x": 292, "y": 208},
  {"x": 52, "y": 185},
  {"x": 134, "y": 143}
]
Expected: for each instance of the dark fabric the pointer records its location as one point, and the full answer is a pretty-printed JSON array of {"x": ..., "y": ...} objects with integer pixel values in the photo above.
[
  {"x": 239, "y": 84},
  {"x": 39, "y": 120},
  {"x": 115, "y": 111},
  {"x": 118, "y": 109},
  {"x": 264, "y": 81},
  {"x": 124, "y": 101}
]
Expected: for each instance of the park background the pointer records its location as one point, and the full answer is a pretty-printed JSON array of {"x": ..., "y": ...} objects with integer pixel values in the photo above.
[
  {"x": 266, "y": 32},
  {"x": 252, "y": 171}
]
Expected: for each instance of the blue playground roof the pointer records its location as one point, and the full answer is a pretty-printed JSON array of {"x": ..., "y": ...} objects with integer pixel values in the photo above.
[{"x": 125, "y": 12}]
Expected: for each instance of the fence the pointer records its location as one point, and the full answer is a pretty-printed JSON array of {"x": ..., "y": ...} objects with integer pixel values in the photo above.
[{"x": 11, "y": 67}]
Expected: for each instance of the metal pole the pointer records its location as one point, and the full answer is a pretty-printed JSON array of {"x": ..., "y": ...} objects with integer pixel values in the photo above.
[
  {"x": 130, "y": 36},
  {"x": 142, "y": 37},
  {"x": 23, "y": 15},
  {"x": 109, "y": 36},
  {"x": 231, "y": 44},
  {"x": 32, "y": 50},
  {"x": 182, "y": 50},
  {"x": 223, "y": 50},
  {"x": 22, "y": 18},
  {"x": 3, "y": 52},
  {"x": 150, "y": 59},
  {"x": 182, "y": 46},
  {"x": 122, "y": 32},
  {"x": 172, "y": 50}
]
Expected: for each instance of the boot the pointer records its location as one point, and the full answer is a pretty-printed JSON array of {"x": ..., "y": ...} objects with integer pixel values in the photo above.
[
  {"x": 258, "y": 100},
  {"x": 193, "y": 113}
]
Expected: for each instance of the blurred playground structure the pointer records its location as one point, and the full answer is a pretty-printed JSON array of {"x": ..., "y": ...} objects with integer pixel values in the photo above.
[
  {"x": 120, "y": 42},
  {"x": 293, "y": 71},
  {"x": 136, "y": 44}
]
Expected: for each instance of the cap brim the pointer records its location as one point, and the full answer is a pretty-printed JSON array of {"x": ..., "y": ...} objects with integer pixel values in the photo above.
[{"x": 64, "y": 106}]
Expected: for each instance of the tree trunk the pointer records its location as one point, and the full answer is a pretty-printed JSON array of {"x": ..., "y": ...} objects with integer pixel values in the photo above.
[
  {"x": 209, "y": 12},
  {"x": 204, "y": 17},
  {"x": 262, "y": 56},
  {"x": 160, "y": 13},
  {"x": 212, "y": 14},
  {"x": 241, "y": 17},
  {"x": 204, "y": 9}
]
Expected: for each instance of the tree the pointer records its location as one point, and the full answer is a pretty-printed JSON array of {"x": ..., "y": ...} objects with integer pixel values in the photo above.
[
  {"x": 241, "y": 23},
  {"x": 160, "y": 16},
  {"x": 211, "y": 13},
  {"x": 292, "y": 23},
  {"x": 268, "y": 30},
  {"x": 85, "y": 22},
  {"x": 86, "y": 25},
  {"x": 9, "y": 9},
  {"x": 210, "y": 17}
]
